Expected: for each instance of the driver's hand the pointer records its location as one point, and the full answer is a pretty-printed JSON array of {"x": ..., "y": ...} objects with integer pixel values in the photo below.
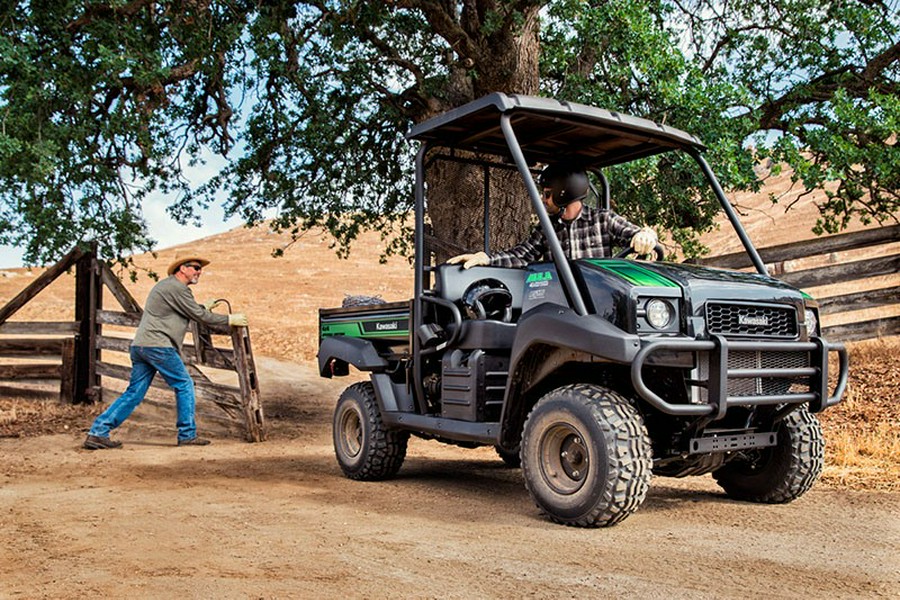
[
  {"x": 479, "y": 259},
  {"x": 644, "y": 241}
]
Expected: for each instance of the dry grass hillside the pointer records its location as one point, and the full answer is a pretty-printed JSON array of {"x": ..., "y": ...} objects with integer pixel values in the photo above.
[{"x": 281, "y": 297}]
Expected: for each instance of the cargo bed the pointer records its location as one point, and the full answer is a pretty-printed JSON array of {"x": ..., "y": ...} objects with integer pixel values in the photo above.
[{"x": 388, "y": 322}]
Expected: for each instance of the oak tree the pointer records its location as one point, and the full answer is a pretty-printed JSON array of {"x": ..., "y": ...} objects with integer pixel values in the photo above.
[{"x": 103, "y": 102}]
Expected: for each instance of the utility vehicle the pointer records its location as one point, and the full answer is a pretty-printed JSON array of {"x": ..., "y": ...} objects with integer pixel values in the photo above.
[{"x": 592, "y": 374}]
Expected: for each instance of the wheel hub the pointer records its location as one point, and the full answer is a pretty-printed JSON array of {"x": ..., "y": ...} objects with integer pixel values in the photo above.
[
  {"x": 351, "y": 433},
  {"x": 574, "y": 457},
  {"x": 565, "y": 459}
]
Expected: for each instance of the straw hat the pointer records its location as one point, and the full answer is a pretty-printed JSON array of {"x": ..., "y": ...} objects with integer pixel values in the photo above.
[{"x": 180, "y": 261}]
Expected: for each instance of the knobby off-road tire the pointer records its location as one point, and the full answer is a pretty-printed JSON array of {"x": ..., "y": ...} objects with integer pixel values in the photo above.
[
  {"x": 586, "y": 456},
  {"x": 783, "y": 472},
  {"x": 510, "y": 459},
  {"x": 365, "y": 449}
]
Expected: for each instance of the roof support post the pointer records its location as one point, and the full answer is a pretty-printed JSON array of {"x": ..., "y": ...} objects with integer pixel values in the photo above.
[{"x": 556, "y": 251}]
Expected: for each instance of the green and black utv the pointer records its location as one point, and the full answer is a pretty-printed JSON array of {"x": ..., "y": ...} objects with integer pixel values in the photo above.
[{"x": 593, "y": 373}]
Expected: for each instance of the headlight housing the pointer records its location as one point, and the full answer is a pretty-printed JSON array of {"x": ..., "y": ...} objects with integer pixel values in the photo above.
[
  {"x": 659, "y": 313},
  {"x": 812, "y": 322}
]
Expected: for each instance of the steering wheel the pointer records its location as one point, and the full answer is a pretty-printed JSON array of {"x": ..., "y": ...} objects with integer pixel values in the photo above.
[{"x": 658, "y": 250}]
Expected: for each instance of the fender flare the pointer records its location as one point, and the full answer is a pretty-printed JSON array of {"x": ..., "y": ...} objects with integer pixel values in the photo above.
[
  {"x": 560, "y": 326},
  {"x": 545, "y": 332},
  {"x": 336, "y": 353}
]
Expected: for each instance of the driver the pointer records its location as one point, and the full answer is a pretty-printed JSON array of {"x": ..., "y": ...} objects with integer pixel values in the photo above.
[{"x": 583, "y": 232}]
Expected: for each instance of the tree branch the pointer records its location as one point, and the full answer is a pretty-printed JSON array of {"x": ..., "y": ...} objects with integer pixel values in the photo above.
[
  {"x": 823, "y": 88},
  {"x": 444, "y": 24},
  {"x": 94, "y": 12}
]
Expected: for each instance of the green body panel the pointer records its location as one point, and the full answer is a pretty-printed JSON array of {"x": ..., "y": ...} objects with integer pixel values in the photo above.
[
  {"x": 633, "y": 273},
  {"x": 357, "y": 329},
  {"x": 388, "y": 322}
]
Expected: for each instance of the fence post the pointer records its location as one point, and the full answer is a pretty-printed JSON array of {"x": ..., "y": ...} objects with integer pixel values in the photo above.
[
  {"x": 88, "y": 300},
  {"x": 67, "y": 372}
]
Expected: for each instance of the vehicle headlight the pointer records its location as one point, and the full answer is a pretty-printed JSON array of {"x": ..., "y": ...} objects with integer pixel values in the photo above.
[
  {"x": 812, "y": 323},
  {"x": 659, "y": 313}
]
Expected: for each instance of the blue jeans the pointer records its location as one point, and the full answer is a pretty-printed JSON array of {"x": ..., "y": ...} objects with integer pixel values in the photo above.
[{"x": 146, "y": 362}]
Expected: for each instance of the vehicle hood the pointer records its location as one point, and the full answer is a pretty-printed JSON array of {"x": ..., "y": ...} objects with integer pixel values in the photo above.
[
  {"x": 699, "y": 283},
  {"x": 614, "y": 287}
]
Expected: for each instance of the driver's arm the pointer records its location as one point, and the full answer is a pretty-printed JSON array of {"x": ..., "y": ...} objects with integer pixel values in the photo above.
[
  {"x": 625, "y": 233},
  {"x": 523, "y": 254}
]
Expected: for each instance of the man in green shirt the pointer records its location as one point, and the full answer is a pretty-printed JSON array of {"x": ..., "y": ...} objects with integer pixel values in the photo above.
[{"x": 156, "y": 349}]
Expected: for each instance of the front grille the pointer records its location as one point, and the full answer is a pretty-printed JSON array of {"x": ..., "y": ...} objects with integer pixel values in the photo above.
[
  {"x": 767, "y": 386},
  {"x": 751, "y": 320},
  {"x": 759, "y": 386}
]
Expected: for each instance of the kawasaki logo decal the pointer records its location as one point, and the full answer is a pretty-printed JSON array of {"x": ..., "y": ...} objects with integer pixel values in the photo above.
[
  {"x": 633, "y": 273},
  {"x": 753, "y": 320},
  {"x": 367, "y": 328}
]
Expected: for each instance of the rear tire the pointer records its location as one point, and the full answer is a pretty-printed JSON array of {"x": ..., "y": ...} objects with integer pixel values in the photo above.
[
  {"x": 510, "y": 459},
  {"x": 783, "y": 472},
  {"x": 365, "y": 449},
  {"x": 586, "y": 456}
]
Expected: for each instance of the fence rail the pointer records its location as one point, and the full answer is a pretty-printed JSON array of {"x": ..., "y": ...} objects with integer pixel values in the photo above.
[{"x": 888, "y": 264}]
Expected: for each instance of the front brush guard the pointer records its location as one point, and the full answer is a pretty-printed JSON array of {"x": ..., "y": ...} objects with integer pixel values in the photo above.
[{"x": 719, "y": 374}]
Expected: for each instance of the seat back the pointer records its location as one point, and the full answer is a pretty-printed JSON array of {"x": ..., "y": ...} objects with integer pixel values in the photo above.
[{"x": 451, "y": 282}]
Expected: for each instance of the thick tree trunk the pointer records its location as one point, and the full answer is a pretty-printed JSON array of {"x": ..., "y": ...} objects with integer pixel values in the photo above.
[
  {"x": 508, "y": 63},
  {"x": 456, "y": 208}
]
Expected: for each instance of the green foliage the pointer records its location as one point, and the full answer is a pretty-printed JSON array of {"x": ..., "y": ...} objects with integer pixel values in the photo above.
[
  {"x": 104, "y": 102},
  {"x": 97, "y": 104},
  {"x": 801, "y": 82},
  {"x": 324, "y": 137}
]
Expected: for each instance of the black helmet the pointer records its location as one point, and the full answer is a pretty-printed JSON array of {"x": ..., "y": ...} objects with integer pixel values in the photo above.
[
  {"x": 566, "y": 184},
  {"x": 488, "y": 299}
]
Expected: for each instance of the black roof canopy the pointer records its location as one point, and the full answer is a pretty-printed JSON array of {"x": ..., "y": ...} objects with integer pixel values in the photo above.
[{"x": 549, "y": 131}]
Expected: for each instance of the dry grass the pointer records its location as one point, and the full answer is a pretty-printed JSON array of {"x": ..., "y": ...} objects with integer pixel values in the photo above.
[
  {"x": 863, "y": 459},
  {"x": 862, "y": 433},
  {"x": 37, "y": 411}
]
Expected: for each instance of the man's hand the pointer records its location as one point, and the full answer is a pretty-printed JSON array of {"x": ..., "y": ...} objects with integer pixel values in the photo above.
[
  {"x": 238, "y": 320},
  {"x": 479, "y": 259},
  {"x": 211, "y": 304},
  {"x": 644, "y": 241}
]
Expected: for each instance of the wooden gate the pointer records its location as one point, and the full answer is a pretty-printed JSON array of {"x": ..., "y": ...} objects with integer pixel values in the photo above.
[{"x": 79, "y": 345}]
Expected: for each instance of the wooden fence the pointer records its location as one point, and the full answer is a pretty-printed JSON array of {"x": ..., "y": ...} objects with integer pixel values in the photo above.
[
  {"x": 76, "y": 347},
  {"x": 778, "y": 259}
]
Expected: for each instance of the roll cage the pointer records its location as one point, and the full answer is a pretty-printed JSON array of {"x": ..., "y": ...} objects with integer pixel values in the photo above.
[{"x": 526, "y": 130}]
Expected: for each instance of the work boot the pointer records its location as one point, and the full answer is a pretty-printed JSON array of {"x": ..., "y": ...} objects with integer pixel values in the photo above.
[
  {"x": 194, "y": 441},
  {"x": 95, "y": 442}
]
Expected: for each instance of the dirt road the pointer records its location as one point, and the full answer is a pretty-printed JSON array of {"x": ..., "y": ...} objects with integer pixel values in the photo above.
[{"x": 277, "y": 520}]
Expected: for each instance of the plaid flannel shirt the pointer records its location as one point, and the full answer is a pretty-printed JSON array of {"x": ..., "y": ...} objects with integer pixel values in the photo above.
[{"x": 590, "y": 235}]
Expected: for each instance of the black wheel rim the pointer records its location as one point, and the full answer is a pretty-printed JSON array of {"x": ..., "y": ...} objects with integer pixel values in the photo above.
[{"x": 565, "y": 460}]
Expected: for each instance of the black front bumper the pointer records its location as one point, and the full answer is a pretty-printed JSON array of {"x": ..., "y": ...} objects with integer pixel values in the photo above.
[{"x": 718, "y": 399}]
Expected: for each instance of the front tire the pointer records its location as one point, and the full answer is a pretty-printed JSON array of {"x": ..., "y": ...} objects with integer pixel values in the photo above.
[
  {"x": 365, "y": 449},
  {"x": 586, "y": 456},
  {"x": 783, "y": 472}
]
